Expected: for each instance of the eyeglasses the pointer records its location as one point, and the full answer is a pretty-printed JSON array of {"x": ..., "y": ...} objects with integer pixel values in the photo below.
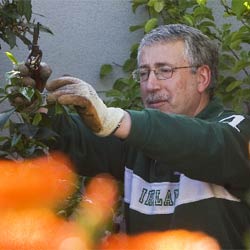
[{"x": 161, "y": 73}]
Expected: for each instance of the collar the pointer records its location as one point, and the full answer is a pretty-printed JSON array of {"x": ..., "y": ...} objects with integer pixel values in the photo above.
[{"x": 214, "y": 108}]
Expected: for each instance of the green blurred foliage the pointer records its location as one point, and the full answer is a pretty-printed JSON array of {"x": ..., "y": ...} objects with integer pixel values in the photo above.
[
  {"x": 27, "y": 131},
  {"x": 16, "y": 23}
]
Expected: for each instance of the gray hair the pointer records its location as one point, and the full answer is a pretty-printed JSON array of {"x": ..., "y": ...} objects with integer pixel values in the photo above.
[{"x": 199, "y": 49}]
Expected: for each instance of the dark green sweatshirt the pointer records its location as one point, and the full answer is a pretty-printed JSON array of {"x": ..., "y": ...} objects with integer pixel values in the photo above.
[{"x": 178, "y": 172}]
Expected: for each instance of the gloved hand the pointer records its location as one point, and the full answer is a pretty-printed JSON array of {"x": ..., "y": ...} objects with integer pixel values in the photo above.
[
  {"x": 102, "y": 120},
  {"x": 28, "y": 78}
]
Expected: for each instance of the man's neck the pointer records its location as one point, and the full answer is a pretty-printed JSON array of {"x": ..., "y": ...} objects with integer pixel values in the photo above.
[{"x": 202, "y": 104}]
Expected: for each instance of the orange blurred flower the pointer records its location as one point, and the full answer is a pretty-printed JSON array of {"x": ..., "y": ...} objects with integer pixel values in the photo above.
[
  {"x": 42, "y": 182},
  {"x": 168, "y": 240},
  {"x": 31, "y": 189},
  {"x": 39, "y": 229},
  {"x": 98, "y": 201},
  {"x": 102, "y": 190}
]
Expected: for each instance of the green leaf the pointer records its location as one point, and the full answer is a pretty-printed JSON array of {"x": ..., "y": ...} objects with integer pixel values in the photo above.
[
  {"x": 189, "y": 19},
  {"x": 245, "y": 82},
  {"x": 239, "y": 65},
  {"x": 3, "y": 153},
  {"x": 150, "y": 24},
  {"x": 105, "y": 70},
  {"x": 27, "y": 9},
  {"x": 236, "y": 35},
  {"x": 238, "y": 7},
  {"x": 11, "y": 57},
  {"x": 247, "y": 5},
  {"x": 121, "y": 83},
  {"x": 4, "y": 117},
  {"x": 37, "y": 118},
  {"x": 129, "y": 65},
  {"x": 45, "y": 134},
  {"x": 24, "y": 7},
  {"x": 227, "y": 61},
  {"x": 27, "y": 130},
  {"x": 233, "y": 85},
  {"x": 27, "y": 92},
  {"x": 202, "y": 12},
  {"x": 114, "y": 93},
  {"x": 207, "y": 24},
  {"x": 10, "y": 38},
  {"x": 134, "y": 51},
  {"x": 151, "y": 3},
  {"x": 59, "y": 109},
  {"x": 236, "y": 44},
  {"x": 135, "y": 27},
  {"x": 11, "y": 75},
  {"x": 15, "y": 139},
  {"x": 2, "y": 91},
  {"x": 30, "y": 150},
  {"x": 158, "y": 6},
  {"x": 201, "y": 2},
  {"x": 137, "y": 3},
  {"x": 45, "y": 29},
  {"x": 3, "y": 138}
]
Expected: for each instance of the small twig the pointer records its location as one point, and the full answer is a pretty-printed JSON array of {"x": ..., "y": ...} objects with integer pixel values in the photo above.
[{"x": 116, "y": 64}]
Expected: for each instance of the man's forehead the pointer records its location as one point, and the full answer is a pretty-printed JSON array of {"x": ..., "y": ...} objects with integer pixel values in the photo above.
[
  {"x": 161, "y": 54},
  {"x": 168, "y": 44},
  {"x": 156, "y": 65}
]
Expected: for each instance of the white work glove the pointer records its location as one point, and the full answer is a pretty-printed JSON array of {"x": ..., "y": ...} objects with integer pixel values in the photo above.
[{"x": 102, "y": 120}]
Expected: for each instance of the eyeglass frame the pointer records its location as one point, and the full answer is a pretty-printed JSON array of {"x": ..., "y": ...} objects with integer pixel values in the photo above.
[{"x": 172, "y": 69}]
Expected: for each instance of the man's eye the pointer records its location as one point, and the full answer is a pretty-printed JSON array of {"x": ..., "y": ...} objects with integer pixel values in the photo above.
[
  {"x": 143, "y": 73},
  {"x": 164, "y": 70}
]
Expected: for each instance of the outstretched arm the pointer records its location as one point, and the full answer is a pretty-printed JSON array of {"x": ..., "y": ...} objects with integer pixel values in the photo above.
[{"x": 123, "y": 130}]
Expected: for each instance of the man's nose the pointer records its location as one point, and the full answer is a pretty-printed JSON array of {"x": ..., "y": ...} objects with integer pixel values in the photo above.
[{"x": 152, "y": 82}]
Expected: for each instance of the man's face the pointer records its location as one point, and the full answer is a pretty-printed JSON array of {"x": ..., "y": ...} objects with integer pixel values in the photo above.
[{"x": 178, "y": 94}]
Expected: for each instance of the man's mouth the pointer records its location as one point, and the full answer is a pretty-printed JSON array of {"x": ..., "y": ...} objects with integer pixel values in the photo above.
[{"x": 156, "y": 103}]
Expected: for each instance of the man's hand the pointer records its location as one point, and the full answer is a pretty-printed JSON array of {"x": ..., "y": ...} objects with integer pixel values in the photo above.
[{"x": 101, "y": 119}]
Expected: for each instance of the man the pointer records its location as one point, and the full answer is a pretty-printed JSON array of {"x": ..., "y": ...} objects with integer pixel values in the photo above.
[{"x": 184, "y": 158}]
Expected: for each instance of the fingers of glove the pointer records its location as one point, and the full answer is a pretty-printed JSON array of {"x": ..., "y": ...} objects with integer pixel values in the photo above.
[
  {"x": 73, "y": 100},
  {"x": 85, "y": 109},
  {"x": 80, "y": 89},
  {"x": 62, "y": 81},
  {"x": 90, "y": 117},
  {"x": 65, "y": 90}
]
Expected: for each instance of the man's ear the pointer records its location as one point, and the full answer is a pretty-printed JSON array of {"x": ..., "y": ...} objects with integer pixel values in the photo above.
[{"x": 204, "y": 78}]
